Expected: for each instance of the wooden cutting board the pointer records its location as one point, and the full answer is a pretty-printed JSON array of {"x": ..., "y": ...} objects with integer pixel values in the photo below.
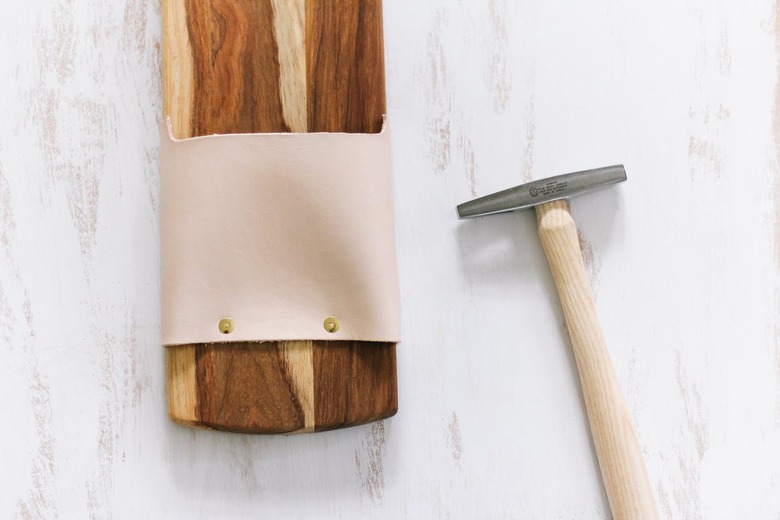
[{"x": 238, "y": 66}]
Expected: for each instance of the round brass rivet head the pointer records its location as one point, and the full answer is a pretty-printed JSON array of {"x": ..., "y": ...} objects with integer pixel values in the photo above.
[
  {"x": 331, "y": 324},
  {"x": 226, "y": 325}
]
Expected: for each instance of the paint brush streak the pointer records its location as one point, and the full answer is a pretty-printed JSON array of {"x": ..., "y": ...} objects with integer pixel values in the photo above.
[
  {"x": 707, "y": 115},
  {"x": 687, "y": 500},
  {"x": 454, "y": 439},
  {"x": 498, "y": 77},
  {"x": 776, "y": 200},
  {"x": 370, "y": 466},
  {"x": 591, "y": 262},
  {"x": 776, "y": 132},
  {"x": 438, "y": 98},
  {"x": 526, "y": 174}
]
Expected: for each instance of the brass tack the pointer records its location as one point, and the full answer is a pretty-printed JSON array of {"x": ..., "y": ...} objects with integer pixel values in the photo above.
[
  {"x": 226, "y": 325},
  {"x": 331, "y": 324}
]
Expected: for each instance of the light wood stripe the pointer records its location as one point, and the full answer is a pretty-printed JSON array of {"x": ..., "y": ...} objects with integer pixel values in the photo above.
[
  {"x": 182, "y": 383},
  {"x": 298, "y": 358},
  {"x": 289, "y": 29},
  {"x": 178, "y": 86}
]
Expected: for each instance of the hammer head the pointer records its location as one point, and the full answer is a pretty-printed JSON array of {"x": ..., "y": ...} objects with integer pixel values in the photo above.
[{"x": 541, "y": 191}]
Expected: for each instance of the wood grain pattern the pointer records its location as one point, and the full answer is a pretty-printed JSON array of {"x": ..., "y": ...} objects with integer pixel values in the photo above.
[
  {"x": 177, "y": 57},
  {"x": 289, "y": 28},
  {"x": 277, "y": 66},
  {"x": 620, "y": 456},
  {"x": 247, "y": 388},
  {"x": 343, "y": 372},
  {"x": 345, "y": 66},
  {"x": 236, "y": 73}
]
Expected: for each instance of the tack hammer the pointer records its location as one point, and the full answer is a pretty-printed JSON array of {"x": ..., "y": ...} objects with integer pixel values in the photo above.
[{"x": 617, "y": 448}]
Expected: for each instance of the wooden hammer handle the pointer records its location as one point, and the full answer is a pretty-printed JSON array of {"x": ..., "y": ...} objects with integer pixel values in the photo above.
[{"x": 620, "y": 457}]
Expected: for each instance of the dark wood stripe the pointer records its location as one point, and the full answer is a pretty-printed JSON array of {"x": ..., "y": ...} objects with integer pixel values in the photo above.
[
  {"x": 236, "y": 67},
  {"x": 245, "y": 387},
  {"x": 354, "y": 383},
  {"x": 345, "y": 68}
]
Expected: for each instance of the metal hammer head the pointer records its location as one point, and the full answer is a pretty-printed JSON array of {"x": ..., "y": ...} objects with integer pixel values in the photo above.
[{"x": 541, "y": 191}]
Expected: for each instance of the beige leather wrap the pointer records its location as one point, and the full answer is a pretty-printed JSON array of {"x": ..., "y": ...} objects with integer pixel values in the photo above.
[{"x": 277, "y": 232}]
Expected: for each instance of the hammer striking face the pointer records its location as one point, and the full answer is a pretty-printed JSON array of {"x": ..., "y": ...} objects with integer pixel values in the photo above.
[
  {"x": 546, "y": 190},
  {"x": 617, "y": 447}
]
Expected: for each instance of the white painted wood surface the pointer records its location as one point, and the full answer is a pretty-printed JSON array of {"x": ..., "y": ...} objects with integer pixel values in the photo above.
[{"x": 483, "y": 94}]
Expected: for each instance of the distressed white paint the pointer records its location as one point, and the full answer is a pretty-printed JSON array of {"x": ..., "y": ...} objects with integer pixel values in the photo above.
[{"x": 483, "y": 94}]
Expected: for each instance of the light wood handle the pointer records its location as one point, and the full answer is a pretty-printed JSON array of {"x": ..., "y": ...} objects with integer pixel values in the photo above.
[{"x": 620, "y": 457}]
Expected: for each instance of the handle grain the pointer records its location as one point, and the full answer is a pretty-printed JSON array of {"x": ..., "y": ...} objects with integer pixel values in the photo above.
[{"x": 620, "y": 457}]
